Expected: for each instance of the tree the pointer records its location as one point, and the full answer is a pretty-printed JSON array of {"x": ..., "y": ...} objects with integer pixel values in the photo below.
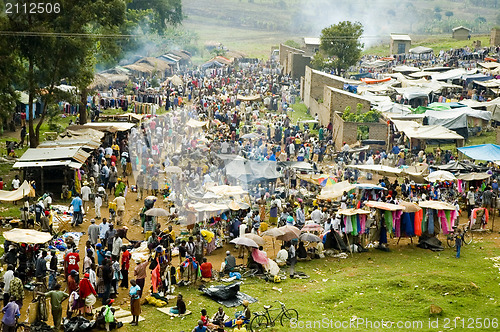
[
  {"x": 437, "y": 9},
  {"x": 160, "y": 13},
  {"x": 59, "y": 46},
  {"x": 341, "y": 41},
  {"x": 448, "y": 14}
]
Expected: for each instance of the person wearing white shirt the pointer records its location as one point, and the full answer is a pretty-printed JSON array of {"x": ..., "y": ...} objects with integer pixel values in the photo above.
[
  {"x": 85, "y": 196},
  {"x": 336, "y": 223},
  {"x": 16, "y": 183},
  {"x": 7, "y": 277},
  {"x": 316, "y": 216},
  {"x": 328, "y": 225},
  {"x": 282, "y": 256}
]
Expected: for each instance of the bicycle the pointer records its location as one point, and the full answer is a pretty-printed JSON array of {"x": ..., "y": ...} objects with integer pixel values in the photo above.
[
  {"x": 467, "y": 236},
  {"x": 262, "y": 320}
]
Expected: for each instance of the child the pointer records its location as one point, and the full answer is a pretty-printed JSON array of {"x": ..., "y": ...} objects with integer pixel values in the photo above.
[
  {"x": 458, "y": 241},
  {"x": 135, "y": 302}
]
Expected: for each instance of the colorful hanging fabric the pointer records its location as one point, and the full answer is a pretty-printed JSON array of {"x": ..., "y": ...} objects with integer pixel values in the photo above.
[
  {"x": 444, "y": 225},
  {"x": 418, "y": 223},
  {"x": 430, "y": 223},
  {"x": 78, "y": 186},
  {"x": 447, "y": 213},
  {"x": 348, "y": 224},
  {"x": 358, "y": 225},
  {"x": 388, "y": 221},
  {"x": 409, "y": 230},
  {"x": 397, "y": 222},
  {"x": 459, "y": 186},
  {"x": 362, "y": 220},
  {"x": 425, "y": 220},
  {"x": 354, "y": 224}
]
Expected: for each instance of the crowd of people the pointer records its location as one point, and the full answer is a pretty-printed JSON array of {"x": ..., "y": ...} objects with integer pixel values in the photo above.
[{"x": 169, "y": 160}]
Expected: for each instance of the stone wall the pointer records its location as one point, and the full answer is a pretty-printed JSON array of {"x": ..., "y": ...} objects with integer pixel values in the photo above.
[
  {"x": 495, "y": 37},
  {"x": 285, "y": 59},
  {"x": 348, "y": 131},
  {"x": 337, "y": 100},
  {"x": 315, "y": 82}
]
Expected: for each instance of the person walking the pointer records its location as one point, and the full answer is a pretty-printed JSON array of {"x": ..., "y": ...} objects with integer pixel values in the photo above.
[
  {"x": 93, "y": 232},
  {"x": 77, "y": 204},
  {"x": 120, "y": 208},
  {"x": 139, "y": 183},
  {"x": 97, "y": 206},
  {"x": 140, "y": 274},
  {"x": 56, "y": 297}
]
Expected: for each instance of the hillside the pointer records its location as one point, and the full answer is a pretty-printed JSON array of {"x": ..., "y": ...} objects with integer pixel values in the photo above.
[{"x": 253, "y": 26}]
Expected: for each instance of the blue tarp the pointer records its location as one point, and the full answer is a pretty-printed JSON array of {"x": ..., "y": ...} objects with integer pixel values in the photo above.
[{"x": 487, "y": 152}]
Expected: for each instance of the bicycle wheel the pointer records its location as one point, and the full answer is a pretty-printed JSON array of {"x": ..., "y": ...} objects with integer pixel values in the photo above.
[
  {"x": 259, "y": 323},
  {"x": 451, "y": 241},
  {"x": 288, "y": 316},
  {"x": 468, "y": 237}
]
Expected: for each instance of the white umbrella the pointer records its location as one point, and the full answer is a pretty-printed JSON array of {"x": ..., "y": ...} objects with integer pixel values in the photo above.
[
  {"x": 157, "y": 212},
  {"x": 260, "y": 241},
  {"x": 245, "y": 241},
  {"x": 18, "y": 235},
  {"x": 440, "y": 176}
]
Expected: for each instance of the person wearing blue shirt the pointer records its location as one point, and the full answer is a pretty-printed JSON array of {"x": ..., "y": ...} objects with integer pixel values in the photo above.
[
  {"x": 10, "y": 314},
  {"x": 200, "y": 327},
  {"x": 77, "y": 210}
]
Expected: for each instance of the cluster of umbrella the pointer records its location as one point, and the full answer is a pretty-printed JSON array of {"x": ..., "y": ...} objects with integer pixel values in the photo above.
[{"x": 284, "y": 233}]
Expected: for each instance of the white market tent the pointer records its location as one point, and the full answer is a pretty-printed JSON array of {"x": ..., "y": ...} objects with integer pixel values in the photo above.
[
  {"x": 414, "y": 130},
  {"x": 25, "y": 190}
]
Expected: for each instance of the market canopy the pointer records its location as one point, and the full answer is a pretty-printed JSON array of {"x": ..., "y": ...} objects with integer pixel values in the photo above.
[
  {"x": 420, "y": 50},
  {"x": 196, "y": 124},
  {"x": 352, "y": 212},
  {"x": 111, "y": 127},
  {"x": 30, "y": 236},
  {"x": 473, "y": 176},
  {"x": 414, "y": 130},
  {"x": 25, "y": 190},
  {"x": 384, "y": 206},
  {"x": 336, "y": 190},
  {"x": 487, "y": 152},
  {"x": 437, "y": 205},
  {"x": 378, "y": 169}
]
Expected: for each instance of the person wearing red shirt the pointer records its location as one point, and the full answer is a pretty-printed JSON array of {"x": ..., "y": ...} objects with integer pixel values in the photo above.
[
  {"x": 206, "y": 269},
  {"x": 126, "y": 256},
  {"x": 71, "y": 261},
  {"x": 1, "y": 183}
]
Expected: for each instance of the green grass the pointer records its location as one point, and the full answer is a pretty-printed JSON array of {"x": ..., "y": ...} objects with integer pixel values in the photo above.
[
  {"x": 436, "y": 42},
  {"x": 485, "y": 137},
  {"x": 301, "y": 113},
  {"x": 396, "y": 286}
]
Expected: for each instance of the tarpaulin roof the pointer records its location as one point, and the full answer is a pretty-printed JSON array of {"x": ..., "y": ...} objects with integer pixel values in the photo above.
[
  {"x": 414, "y": 130},
  {"x": 420, "y": 50},
  {"x": 252, "y": 170},
  {"x": 196, "y": 124},
  {"x": 384, "y": 206},
  {"x": 436, "y": 205},
  {"x": 378, "y": 169},
  {"x": 414, "y": 92},
  {"x": 453, "y": 74},
  {"x": 25, "y": 190},
  {"x": 336, "y": 190},
  {"x": 84, "y": 143},
  {"x": 473, "y": 176},
  {"x": 487, "y": 152}
]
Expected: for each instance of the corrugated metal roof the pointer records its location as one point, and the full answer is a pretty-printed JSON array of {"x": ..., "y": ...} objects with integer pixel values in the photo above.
[
  {"x": 110, "y": 126},
  {"x": 52, "y": 163},
  {"x": 67, "y": 142},
  {"x": 59, "y": 153},
  {"x": 312, "y": 41}
]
